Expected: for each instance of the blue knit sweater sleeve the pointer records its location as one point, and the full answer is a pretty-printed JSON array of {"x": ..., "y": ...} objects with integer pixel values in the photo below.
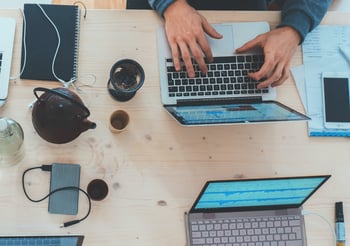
[
  {"x": 160, "y": 5},
  {"x": 303, "y": 15}
]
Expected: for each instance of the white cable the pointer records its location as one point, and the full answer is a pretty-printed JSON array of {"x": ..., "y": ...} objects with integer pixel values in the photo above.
[
  {"x": 65, "y": 83},
  {"x": 305, "y": 212}
]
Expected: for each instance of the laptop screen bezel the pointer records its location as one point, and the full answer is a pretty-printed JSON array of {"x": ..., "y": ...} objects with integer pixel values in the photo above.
[
  {"x": 250, "y": 208},
  {"x": 172, "y": 111}
]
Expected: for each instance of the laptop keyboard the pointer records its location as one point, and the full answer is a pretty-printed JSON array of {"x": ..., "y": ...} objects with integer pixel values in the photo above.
[
  {"x": 226, "y": 76},
  {"x": 261, "y": 231}
]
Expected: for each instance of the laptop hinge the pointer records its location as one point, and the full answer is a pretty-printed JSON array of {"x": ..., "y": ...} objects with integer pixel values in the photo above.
[{"x": 219, "y": 101}]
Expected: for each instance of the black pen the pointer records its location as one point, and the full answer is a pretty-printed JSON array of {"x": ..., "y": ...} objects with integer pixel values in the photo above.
[{"x": 339, "y": 224}]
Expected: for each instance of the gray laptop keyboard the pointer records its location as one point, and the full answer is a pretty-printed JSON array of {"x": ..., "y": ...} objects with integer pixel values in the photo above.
[
  {"x": 261, "y": 231},
  {"x": 226, "y": 76}
]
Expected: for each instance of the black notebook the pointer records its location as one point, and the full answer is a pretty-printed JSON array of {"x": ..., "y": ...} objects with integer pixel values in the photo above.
[{"x": 40, "y": 42}]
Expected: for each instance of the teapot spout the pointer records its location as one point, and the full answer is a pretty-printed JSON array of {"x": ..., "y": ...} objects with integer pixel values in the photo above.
[
  {"x": 93, "y": 125},
  {"x": 86, "y": 125}
]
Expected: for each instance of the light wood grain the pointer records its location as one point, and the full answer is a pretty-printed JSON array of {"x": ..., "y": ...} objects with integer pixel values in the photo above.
[
  {"x": 155, "y": 168},
  {"x": 96, "y": 4}
]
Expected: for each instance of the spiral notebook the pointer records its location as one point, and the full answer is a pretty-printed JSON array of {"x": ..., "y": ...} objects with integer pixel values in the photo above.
[{"x": 50, "y": 42}]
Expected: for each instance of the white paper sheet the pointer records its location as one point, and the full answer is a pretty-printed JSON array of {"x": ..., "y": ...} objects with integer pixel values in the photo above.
[{"x": 326, "y": 49}]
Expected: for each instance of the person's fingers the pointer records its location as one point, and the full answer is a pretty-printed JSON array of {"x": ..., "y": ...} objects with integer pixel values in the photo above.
[
  {"x": 284, "y": 77},
  {"x": 204, "y": 46},
  {"x": 256, "y": 42},
  {"x": 200, "y": 48},
  {"x": 278, "y": 76},
  {"x": 210, "y": 30},
  {"x": 203, "y": 42},
  {"x": 198, "y": 57},
  {"x": 266, "y": 69},
  {"x": 186, "y": 57},
  {"x": 175, "y": 54}
]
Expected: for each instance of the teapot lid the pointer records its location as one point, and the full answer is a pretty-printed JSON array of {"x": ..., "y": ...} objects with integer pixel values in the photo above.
[{"x": 64, "y": 94}]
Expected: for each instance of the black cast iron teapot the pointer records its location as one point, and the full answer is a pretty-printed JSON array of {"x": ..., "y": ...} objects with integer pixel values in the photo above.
[{"x": 59, "y": 115}]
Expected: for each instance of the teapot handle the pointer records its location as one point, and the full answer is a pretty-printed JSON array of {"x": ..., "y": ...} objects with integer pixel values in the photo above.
[{"x": 60, "y": 94}]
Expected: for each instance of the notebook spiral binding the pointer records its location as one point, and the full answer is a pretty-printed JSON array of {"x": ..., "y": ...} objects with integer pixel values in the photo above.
[{"x": 76, "y": 45}]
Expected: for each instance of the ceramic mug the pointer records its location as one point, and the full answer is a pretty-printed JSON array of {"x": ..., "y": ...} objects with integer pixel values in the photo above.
[{"x": 118, "y": 121}]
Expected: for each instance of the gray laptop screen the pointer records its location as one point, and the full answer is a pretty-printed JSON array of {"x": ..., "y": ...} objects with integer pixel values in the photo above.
[
  {"x": 259, "y": 193},
  {"x": 233, "y": 113}
]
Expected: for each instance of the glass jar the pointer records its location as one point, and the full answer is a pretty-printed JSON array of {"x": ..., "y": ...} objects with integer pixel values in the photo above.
[{"x": 11, "y": 141}]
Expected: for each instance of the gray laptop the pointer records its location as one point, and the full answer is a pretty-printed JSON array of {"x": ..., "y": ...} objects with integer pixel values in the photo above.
[
  {"x": 256, "y": 212},
  {"x": 7, "y": 34},
  {"x": 226, "y": 95}
]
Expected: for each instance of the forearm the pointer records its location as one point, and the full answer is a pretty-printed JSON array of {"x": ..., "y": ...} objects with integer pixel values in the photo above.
[
  {"x": 303, "y": 15},
  {"x": 160, "y": 5}
]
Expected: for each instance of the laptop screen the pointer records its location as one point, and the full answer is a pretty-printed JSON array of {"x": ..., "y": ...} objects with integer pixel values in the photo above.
[
  {"x": 268, "y": 111},
  {"x": 257, "y": 193},
  {"x": 58, "y": 240}
]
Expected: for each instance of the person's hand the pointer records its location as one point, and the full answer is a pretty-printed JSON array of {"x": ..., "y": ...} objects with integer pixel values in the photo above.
[
  {"x": 279, "y": 46},
  {"x": 185, "y": 29}
]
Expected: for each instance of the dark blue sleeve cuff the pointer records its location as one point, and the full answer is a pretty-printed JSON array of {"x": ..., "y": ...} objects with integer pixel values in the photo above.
[
  {"x": 303, "y": 15},
  {"x": 160, "y": 5},
  {"x": 300, "y": 21}
]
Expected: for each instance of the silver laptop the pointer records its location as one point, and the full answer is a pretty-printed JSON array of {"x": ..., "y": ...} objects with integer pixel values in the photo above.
[
  {"x": 7, "y": 35},
  {"x": 225, "y": 95},
  {"x": 265, "y": 212}
]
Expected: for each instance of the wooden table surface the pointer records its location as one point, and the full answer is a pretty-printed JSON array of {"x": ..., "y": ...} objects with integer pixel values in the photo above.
[
  {"x": 96, "y": 4},
  {"x": 155, "y": 168}
]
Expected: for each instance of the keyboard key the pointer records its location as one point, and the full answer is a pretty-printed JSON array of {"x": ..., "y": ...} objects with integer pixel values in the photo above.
[
  {"x": 198, "y": 241},
  {"x": 240, "y": 59},
  {"x": 294, "y": 243},
  {"x": 173, "y": 89},
  {"x": 294, "y": 222}
]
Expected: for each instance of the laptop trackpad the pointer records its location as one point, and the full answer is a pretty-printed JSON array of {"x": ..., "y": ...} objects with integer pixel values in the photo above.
[{"x": 225, "y": 45}]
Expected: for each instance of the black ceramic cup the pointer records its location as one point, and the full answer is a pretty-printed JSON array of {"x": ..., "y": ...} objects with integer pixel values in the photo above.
[
  {"x": 97, "y": 189},
  {"x": 126, "y": 78}
]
